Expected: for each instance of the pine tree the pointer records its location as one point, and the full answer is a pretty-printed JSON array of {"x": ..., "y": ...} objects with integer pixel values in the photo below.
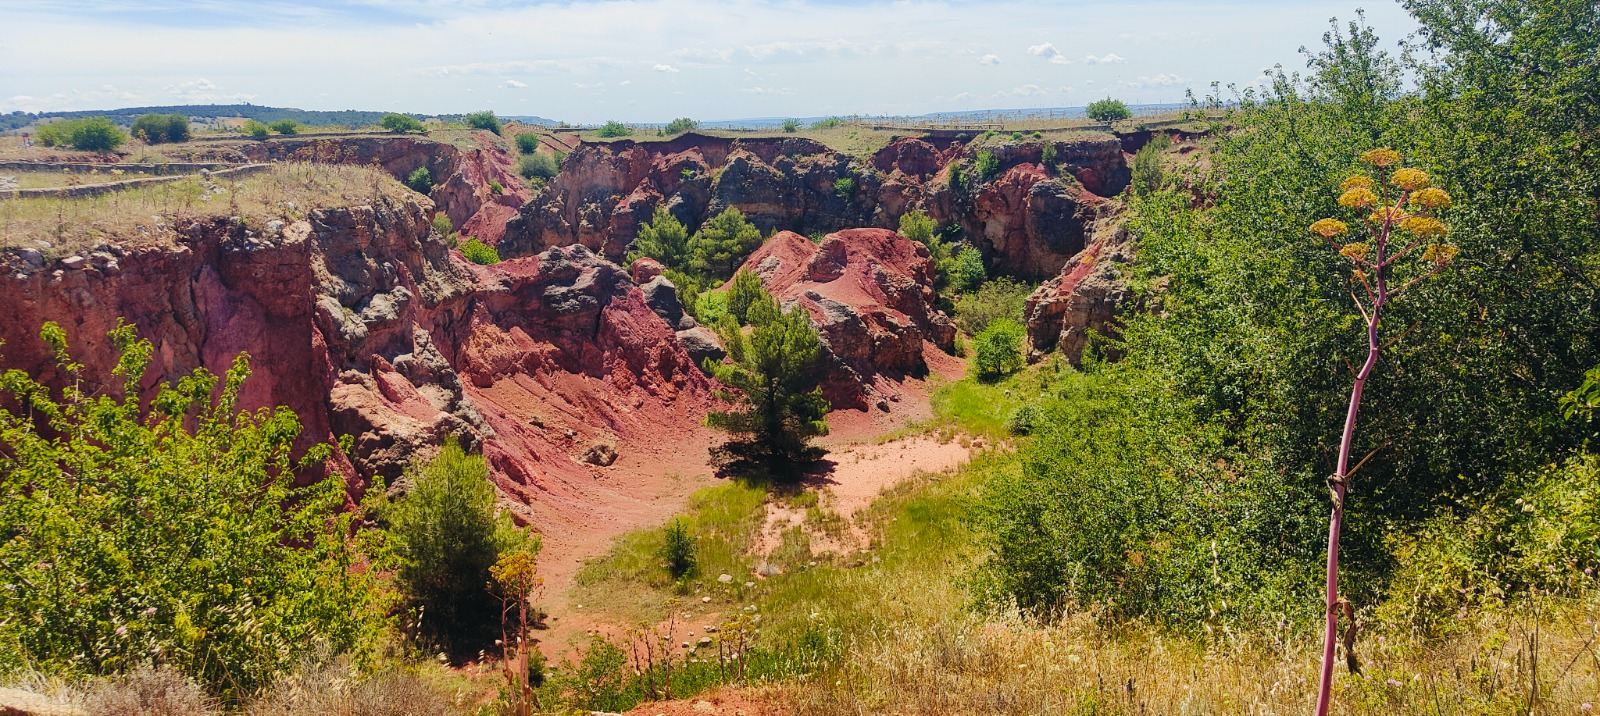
[{"x": 722, "y": 244}]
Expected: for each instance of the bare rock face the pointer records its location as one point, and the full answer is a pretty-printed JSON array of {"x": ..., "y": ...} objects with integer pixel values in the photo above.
[
  {"x": 366, "y": 324},
  {"x": 1089, "y": 295},
  {"x": 1029, "y": 219},
  {"x": 870, "y": 295}
]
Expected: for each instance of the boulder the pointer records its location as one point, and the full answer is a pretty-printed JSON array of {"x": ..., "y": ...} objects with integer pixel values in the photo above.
[
  {"x": 601, "y": 454},
  {"x": 662, "y": 297},
  {"x": 646, "y": 269},
  {"x": 702, "y": 345}
]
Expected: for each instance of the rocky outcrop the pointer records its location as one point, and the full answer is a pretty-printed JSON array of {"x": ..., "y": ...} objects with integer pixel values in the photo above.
[
  {"x": 870, "y": 295},
  {"x": 366, "y": 324},
  {"x": 1089, "y": 295},
  {"x": 1028, "y": 218}
]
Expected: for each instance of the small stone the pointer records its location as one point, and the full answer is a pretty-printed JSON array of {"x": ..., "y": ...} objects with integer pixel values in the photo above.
[
  {"x": 725, "y": 578},
  {"x": 705, "y": 641},
  {"x": 705, "y": 600},
  {"x": 749, "y": 585},
  {"x": 275, "y": 227},
  {"x": 73, "y": 262},
  {"x": 599, "y": 454}
]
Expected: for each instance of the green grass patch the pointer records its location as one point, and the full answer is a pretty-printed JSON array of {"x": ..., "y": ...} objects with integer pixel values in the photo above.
[{"x": 632, "y": 582}]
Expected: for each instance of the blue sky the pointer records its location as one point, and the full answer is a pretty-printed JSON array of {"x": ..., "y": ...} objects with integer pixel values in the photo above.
[{"x": 648, "y": 60}]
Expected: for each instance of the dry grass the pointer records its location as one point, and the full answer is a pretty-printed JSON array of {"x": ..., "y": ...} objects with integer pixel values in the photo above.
[
  {"x": 333, "y": 689},
  {"x": 963, "y": 663},
  {"x": 147, "y": 691},
  {"x": 145, "y": 215}
]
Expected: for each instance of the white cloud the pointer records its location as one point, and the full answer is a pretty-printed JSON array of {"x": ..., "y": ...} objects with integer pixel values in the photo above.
[
  {"x": 1049, "y": 52},
  {"x": 989, "y": 60},
  {"x": 624, "y": 83},
  {"x": 1161, "y": 80},
  {"x": 1106, "y": 59},
  {"x": 664, "y": 68},
  {"x": 513, "y": 84},
  {"x": 776, "y": 91}
]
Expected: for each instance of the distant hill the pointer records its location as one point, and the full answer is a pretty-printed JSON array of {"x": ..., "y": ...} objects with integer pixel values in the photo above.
[{"x": 314, "y": 118}]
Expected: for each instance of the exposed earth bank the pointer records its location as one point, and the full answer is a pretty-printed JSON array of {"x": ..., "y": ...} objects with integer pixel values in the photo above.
[{"x": 1028, "y": 216}]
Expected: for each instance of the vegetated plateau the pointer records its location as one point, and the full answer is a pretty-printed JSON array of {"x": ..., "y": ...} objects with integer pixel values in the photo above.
[{"x": 467, "y": 415}]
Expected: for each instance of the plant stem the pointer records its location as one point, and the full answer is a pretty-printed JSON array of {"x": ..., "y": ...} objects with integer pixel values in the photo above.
[{"x": 1340, "y": 486}]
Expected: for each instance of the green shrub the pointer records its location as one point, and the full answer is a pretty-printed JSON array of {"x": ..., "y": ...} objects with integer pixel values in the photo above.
[
  {"x": 479, "y": 253},
  {"x": 966, "y": 270},
  {"x": 496, "y": 188},
  {"x": 1047, "y": 156},
  {"x": 828, "y": 123},
  {"x": 722, "y": 244},
  {"x": 997, "y": 351},
  {"x": 1540, "y": 532},
  {"x": 159, "y": 128},
  {"x": 678, "y": 549},
  {"x": 680, "y": 125},
  {"x": 170, "y": 530},
  {"x": 396, "y": 122},
  {"x": 485, "y": 120},
  {"x": 1016, "y": 136},
  {"x": 254, "y": 129},
  {"x": 614, "y": 128},
  {"x": 845, "y": 188},
  {"x": 664, "y": 239},
  {"x": 1108, "y": 110},
  {"x": 987, "y": 165},
  {"x": 744, "y": 292},
  {"x": 1023, "y": 420},
  {"x": 285, "y": 127},
  {"x": 443, "y": 225},
  {"x": 958, "y": 178},
  {"x": 537, "y": 165},
  {"x": 527, "y": 142},
  {"x": 791, "y": 126},
  {"x": 420, "y": 180},
  {"x": 1147, "y": 170},
  {"x": 91, "y": 134},
  {"x": 1003, "y": 297},
  {"x": 919, "y": 227},
  {"x": 446, "y": 534}
]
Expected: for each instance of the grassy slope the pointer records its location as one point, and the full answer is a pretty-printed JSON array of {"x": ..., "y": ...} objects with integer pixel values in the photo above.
[{"x": 901, "y": 637}]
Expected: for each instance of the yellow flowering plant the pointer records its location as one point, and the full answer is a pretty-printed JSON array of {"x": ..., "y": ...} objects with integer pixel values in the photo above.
[{"x": 1384, "y": 264}]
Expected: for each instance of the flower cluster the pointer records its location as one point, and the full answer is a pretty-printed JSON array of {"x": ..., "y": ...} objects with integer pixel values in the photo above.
[
  {"x": 1397, "y": 199},
  {"x": 1380, "y": 157},
  {"x": 1330, "y": 228},
  {"x": 1431, "y": 198},
  {"x": 1409, "y": 179}
]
